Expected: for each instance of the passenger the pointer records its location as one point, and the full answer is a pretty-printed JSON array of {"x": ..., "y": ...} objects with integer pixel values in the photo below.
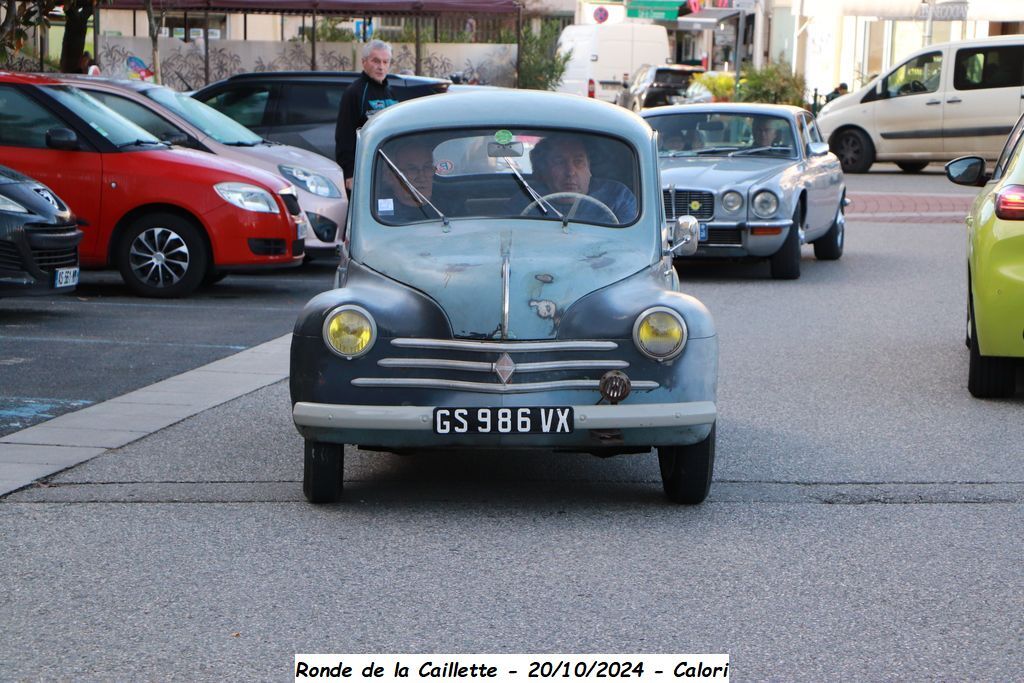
[
  {"x": 562, "y": 165},
  {"x": 395, "y": 202}
]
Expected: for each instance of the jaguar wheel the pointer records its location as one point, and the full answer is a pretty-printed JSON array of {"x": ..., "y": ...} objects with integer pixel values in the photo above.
[
  {"x": 323, "y": 472},
  {"x": 162, "y": 255},
  {"x": 829, "y": 247},
  {"x": 686, "y": 470},
  {"x": 785, "y": 263}
]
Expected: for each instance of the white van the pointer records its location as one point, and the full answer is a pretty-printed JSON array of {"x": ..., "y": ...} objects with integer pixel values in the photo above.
[
  {"x": 944, "y": 101},
  {"x": 605, "y": 55}
]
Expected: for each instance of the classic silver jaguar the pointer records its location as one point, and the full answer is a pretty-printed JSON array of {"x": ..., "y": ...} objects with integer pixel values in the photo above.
[
  {"x": 507, "y": 282},
  {"x": 758, "y": 177}
]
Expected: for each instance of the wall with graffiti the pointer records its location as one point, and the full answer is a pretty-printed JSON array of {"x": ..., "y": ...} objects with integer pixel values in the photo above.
[{"x": 183, "y": 64}]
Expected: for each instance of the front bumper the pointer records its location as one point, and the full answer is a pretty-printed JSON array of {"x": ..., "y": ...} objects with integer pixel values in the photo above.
[
  {"x": 594, "y": 426},
  {"x": 735, "y": 239},
  {"x": 31, "y": 254}
]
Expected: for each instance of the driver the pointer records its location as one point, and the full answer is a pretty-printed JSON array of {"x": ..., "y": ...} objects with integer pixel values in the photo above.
[{"x": 562, "y": 164}]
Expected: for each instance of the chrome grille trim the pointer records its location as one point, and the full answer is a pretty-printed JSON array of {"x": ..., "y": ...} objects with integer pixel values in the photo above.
[
  {"x": 510, "y": 347},
  {"x": 477, "y": 366},
  {"x": 489, "y": 388}
]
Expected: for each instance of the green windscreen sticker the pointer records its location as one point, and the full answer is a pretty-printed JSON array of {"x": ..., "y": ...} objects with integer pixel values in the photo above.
[{"x": 503, "y": 137}]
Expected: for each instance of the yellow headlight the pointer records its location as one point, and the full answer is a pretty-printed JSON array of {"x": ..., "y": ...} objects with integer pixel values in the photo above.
[
  {"x": 660, "y": 334},
  {"x": 350, "y": 332}
]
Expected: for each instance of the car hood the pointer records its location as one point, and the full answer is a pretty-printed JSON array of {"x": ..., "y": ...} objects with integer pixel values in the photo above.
[
  {"x": 211, "y": 162},
  {"x": 272, "y": 155},
  {"x": 719, "y": 173},
  {"x": 549, "y": 270},
  {"x": 9, "y": 175}
]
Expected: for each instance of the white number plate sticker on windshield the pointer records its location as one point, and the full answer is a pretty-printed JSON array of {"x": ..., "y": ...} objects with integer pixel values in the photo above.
[
  {"x": 65, "y": 277},
  {"x": 553, "y": 420}
]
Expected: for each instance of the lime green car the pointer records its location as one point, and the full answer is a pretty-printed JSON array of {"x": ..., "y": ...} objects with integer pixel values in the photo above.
[{"x": 995, "y": 267}]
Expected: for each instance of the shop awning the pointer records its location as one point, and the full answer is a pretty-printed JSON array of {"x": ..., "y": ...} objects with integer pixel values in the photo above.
[{"x": 705, "y": 19}]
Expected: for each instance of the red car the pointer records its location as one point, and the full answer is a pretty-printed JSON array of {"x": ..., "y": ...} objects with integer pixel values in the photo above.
[{"x": 168, "y": 219}]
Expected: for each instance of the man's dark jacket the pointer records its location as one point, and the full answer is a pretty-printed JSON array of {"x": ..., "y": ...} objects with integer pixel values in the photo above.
[{"x": 362, "y": 98}]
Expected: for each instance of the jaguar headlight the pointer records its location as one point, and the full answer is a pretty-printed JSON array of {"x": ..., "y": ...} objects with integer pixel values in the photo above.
[
  {"x": 660, "y": 333},
  {"x": 313, "y": 183},
  {"x": 349, "y": 331},
  {"x": 732, "y": 201},
  {"x": 765, "y": 204},
  {"x": 247, "y": 197}
]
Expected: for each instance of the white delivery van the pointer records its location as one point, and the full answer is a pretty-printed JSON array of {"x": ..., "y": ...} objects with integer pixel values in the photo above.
[
  {"x": 943, "y": 101},
  {"x": 604, "y": 56}
]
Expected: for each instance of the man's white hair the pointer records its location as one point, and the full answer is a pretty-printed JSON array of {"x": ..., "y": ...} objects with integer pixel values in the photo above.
[{"x": 375, "y": 45}]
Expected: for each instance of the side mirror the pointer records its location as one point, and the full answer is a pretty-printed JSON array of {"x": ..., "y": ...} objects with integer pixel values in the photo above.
[
  {"x": 685, "y": 235},
  {"x": 967, "y": 171},
  {"x": 817, "y": 149},
  {"x": 179, "y": 139},
  {"x": 62, "y": 138}
]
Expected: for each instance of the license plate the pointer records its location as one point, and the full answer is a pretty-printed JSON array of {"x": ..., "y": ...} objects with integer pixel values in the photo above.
[
  {"x": 65, "y": 277},
  {"x": 703, "y": 232},
  {"x": 553, "y": 420}
]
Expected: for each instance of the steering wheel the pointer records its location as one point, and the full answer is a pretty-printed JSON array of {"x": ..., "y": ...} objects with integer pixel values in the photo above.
[
  {"x": 918, "y": 86},
  {"x": 577, "y": 196}
]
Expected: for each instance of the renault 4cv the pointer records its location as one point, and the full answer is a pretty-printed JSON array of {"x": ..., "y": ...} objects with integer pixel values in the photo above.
[{"x": 507, "y": 283}]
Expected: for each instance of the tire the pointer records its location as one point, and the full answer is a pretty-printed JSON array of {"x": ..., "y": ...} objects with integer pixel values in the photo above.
[
  {"x": 785, "y": 263},
  {"x": 912, "y": 166},
  {"x": 989, "y": 376},
  {"x": 686, "y": 470},
  {"x": 855, "y": 151},
  {"x": 212, "y": 277},
  {"x": 323, "y": 472},
  {"x": 162, "y": 255},
  {"x": 829, "y": 247}
]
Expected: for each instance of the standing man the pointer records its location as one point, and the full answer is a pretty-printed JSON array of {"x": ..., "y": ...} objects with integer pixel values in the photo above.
[{"x": 367, "y": 95}]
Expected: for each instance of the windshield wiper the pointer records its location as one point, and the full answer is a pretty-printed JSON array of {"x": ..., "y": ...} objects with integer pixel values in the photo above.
[
  {"x": 419, "y": 196},
  {"x": 758, "y": 150},
  {"x": 240, "y": 143},
  {"x": 715, "y": 150},
  {"x": 137, "y": 143},
  {"x": 541, "y": 204}
]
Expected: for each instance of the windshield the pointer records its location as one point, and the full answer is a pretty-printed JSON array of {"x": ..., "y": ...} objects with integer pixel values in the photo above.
[
  {"x": 723, "y": 134},
  {"x": 108, "y": 123},
  {"x": 218, "y": 126},
  {"x": 506, "y": 173}
]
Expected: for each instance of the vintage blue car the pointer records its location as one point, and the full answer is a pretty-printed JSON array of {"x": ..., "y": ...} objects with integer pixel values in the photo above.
[
  {"x": 507, "y": 283},
  {"x": 758, "y": 177}
]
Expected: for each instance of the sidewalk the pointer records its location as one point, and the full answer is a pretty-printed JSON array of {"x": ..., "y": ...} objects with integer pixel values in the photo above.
[
  {"x": 73, "y": 438},
  {"x": 886, "y": 207}
]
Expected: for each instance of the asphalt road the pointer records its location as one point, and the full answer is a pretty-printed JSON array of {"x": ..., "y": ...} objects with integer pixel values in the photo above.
[
  {"x": 62, "y": 353},
  {"x": 864, "y": 524}
]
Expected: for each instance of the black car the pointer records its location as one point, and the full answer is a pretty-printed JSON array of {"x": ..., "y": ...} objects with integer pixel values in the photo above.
[
  {"x": 39, "y": 238},
  {"x": 299, "y": 108},
  {"x": 654, "y": 86}
]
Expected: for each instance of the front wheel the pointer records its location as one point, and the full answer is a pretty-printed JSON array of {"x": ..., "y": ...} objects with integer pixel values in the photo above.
[
  {"x": 162, "y": 255},
  {"x": 686, "y": 470},
  {"x": 323, "y": 472},
  {"x": 829, "y": 247},
  {"x": 785, "y": 263},
  {"x": 855, "y": 151}
]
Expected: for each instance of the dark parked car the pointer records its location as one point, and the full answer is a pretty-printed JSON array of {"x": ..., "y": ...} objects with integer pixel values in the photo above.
[
  {"x": 39, "y": 238},
  {"x": 299, "y": 108},
  {"x": 656, "y": 86}
]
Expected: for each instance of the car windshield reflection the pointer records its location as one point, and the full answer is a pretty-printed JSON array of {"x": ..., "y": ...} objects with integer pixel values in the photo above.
[{"x": 724, "y": 134}]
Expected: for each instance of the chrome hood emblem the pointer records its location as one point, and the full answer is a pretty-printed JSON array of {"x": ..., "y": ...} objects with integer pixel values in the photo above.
[
  {"x": 505, "y": 367},
  {"x": 48, "y": 196}
]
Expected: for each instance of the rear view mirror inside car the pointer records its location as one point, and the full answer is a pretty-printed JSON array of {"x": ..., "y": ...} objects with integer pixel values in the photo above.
[{"x": 497, "y": 150}]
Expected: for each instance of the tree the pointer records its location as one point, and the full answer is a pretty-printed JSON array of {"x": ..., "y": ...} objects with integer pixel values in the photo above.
[
  {"x": 77, "y": 14},
  {"x": 772, "y": 83},
  {"x": 540, "y": 65},
  {"x": 14, "y": 27},
  {"x": 155, "y": 19},
  {"x": 17, "y": 20}
]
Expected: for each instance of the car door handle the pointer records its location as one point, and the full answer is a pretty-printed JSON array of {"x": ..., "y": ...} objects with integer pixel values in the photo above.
[
  {"x": 953, "y": 100},
  {"x": 933, "y": 102}
]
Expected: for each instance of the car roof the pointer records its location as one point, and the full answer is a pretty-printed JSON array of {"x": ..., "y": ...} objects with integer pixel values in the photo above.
[
  {"x": 118, "y": 83},
  {"x": 27, "y": 79},
  {"x": 725, "y": 108},
  {"x": 327, "y": 76},
  {"x": 506, "y": 107}
]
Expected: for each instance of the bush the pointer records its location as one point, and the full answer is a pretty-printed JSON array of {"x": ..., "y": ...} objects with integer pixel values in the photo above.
[
  {"x": 540, "y": 66},
  {"x": 721, "y": 85},
  {"x": 773, "y": 84}
]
